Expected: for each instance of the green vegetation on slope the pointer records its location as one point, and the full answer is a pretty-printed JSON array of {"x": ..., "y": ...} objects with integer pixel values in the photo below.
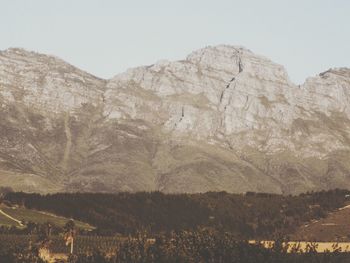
[
  {"x": 249, "y": 216},
  {"x": 27, "y": 215}
]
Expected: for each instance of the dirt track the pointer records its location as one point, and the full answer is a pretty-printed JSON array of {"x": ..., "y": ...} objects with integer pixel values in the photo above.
[{"x": 12, "y": 218}]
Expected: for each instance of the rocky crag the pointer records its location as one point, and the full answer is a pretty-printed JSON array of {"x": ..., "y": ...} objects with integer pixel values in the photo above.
[{"x": 223, "y": 119}]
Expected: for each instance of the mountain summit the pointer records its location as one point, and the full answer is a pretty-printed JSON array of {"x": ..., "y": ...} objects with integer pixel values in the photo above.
[{"x": 223, "y": 119}]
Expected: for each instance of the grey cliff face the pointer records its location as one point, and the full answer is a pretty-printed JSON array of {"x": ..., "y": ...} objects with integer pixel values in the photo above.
[{"x": 224, "y": 118}]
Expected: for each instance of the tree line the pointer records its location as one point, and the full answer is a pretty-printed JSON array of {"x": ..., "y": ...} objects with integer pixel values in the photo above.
[{"x": 246, "y": 216}]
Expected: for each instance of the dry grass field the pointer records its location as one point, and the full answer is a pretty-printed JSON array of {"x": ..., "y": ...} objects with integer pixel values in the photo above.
[
  {"x": 305, "y": 246},
  {"x": 335, "y": 227}
]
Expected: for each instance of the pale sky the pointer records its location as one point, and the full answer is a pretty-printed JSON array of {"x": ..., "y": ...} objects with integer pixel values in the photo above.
[{"x": 106, "y": 37}]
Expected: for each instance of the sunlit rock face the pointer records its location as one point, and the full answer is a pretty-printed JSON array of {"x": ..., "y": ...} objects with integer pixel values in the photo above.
[
  {"x": 224, "y": 118},
  {"x": 46, "y": 83}
]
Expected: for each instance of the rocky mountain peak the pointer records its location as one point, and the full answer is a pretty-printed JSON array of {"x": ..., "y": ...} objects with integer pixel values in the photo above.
[
  {"x": 223, "y": 118},
  {"x": 222, "y": 57},
  {"x": 236, "y": 59}
]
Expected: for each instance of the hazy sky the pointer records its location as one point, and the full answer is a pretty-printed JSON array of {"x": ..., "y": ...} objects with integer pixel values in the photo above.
[{"x": 105, "y": 37}]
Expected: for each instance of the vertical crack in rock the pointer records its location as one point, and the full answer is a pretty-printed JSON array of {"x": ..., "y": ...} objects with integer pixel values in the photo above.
[
  {"x": 182, "y": 116},
  {"x": 233, "y": 80},
  {"x": 182, "y": 113},
  {"x": 227, "y": 86},
  {"x": 240, "y": 70},
  {"x": 240, "y": 65},
  {"x": 222, "y": 93}
]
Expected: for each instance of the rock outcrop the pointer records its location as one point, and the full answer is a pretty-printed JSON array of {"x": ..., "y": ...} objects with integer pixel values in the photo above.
[{"x": 222, "y": 119}]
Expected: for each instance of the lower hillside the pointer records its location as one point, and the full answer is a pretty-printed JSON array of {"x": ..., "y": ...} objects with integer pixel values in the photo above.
[
  {"x": 246, "y": 216},
  {"x": 335, "y": 226},
  {"x": 21, "y": 217}
]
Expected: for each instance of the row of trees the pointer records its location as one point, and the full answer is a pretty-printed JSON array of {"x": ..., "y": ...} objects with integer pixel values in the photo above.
[{"x": 250, "y": 215}]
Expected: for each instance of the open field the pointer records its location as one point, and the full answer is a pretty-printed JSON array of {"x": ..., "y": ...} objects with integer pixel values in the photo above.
[
  {"x": 22, "y": 214},
  {"x": 334, "y": 227}
]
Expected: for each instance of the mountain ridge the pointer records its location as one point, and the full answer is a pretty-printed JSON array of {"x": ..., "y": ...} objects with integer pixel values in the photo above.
[{"x": 221, "y": 119}]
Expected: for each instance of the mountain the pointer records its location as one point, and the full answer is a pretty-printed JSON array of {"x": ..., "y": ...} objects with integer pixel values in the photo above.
[{"x": 223, "y": 119}]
